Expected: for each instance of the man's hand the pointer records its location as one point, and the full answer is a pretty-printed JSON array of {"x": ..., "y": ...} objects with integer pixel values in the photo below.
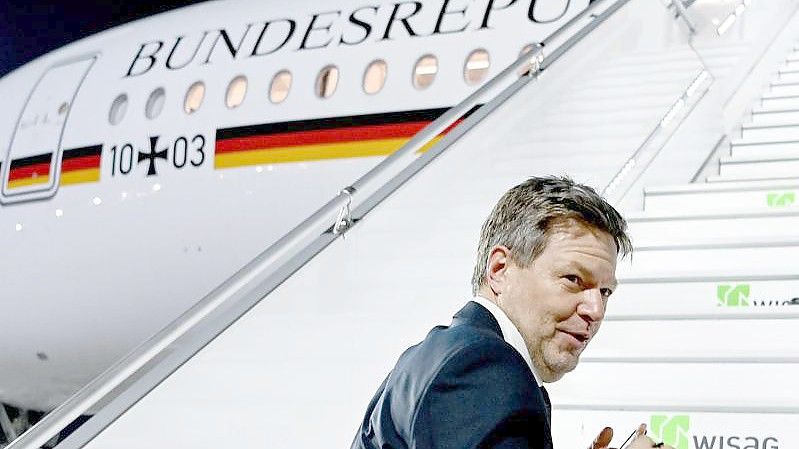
[
  {"x": 639, "y": 440},
  {"x": 644, "y": 442},
  {"x": 602, "y": 441}
]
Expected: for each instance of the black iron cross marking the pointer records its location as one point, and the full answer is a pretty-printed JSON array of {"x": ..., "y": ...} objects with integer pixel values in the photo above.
[{"x": 152, "y": 156}]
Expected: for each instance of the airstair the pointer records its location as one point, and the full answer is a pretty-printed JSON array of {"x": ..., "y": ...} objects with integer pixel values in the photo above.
[{"x": 633, "y": 97}]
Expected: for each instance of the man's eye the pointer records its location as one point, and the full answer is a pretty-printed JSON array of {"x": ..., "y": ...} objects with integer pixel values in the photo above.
[
  {"x": 606, "y": 292},
  {"x": 573, "y": 278}
]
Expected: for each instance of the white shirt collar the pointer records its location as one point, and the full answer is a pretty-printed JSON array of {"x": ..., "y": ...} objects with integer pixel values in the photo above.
[{"x": 509, "y": 332}]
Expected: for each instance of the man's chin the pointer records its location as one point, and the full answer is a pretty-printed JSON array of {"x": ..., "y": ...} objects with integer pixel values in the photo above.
[{"x": 562, "y": 365}]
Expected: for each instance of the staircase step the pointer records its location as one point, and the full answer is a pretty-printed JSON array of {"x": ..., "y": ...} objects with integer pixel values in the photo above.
[
  {"x": 789, "y": 65},
  {"x": 780, "y": 101},
  {"x": 727, "y": 179},
  {"x": 577, "y": 419},
  {"x": 784, "y": 89},
  {"x": 787, "y": 76},
  {"x": 723, "y": 196},
  {"x": 765, "y": 151},
  {"x": 758, "y": 167},
  {"x": 700, "y": 227},
  {"x": 689, "y": 339},
  {"x": 702, "y": 387},
  {"x": 727, "y": 254},
  {"x": 773, "y": 132},
  {"x": 765, "y": 116},
  {"x": 720, "y": 299}
]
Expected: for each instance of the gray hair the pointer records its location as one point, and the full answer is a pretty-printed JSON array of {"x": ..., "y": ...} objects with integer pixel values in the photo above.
[{"x": 525, "y": 215}]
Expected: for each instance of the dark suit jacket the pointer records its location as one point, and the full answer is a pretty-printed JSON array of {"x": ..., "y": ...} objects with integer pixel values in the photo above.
[{"x": 462, "y": 387}]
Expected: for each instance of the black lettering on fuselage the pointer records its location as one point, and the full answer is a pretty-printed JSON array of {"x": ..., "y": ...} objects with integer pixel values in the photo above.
[
  {"x": 445, "y": 12},
  {"x": 489, "y": 8},
  {"x": 292, "y": 26},
  {"x": 312, "y": 28},
  {"x": 361, "y": 23},
  {"x": 531, "y": 13},
  {"x": 151, "y": 57},
  {"x": 404, "y": 20},
  {"x": 170, "y": 65},
  {"x": 232, "y": 49}
]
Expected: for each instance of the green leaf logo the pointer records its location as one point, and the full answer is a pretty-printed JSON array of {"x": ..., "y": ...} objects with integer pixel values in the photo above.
[
  {"x": 672, "y": 430},
  {"x": 781, "y": 199},
  {"x": 733, "y": 295}
]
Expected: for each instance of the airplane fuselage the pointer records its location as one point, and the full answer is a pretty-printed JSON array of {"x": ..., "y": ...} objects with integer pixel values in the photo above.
[{"x": 146, "y": 164}]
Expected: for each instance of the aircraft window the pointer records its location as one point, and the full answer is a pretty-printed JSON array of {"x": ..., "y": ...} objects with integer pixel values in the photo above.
[
  {"x": 155, "y": 103},
  {"x": 425, "y": 71},
  {"x": 236, "y": 91},
  {"x": 327, "y": 81},
  {"x": 194, "y": 97},
  {"x": 476, "y": 67},
  {"x": 118, "y": 108},
  {"x": 281, "y": 85},
  {"x": 375, "y": 77}
]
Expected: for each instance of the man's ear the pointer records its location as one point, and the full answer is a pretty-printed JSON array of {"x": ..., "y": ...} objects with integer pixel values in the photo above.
[{"x": 497, "y": 268}]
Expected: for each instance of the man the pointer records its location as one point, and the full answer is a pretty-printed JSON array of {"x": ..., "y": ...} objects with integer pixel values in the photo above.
[{"x": 545, "y": 268}]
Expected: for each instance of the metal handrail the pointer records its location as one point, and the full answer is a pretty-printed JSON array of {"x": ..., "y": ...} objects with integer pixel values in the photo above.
[{"x": 271, "y": 268}]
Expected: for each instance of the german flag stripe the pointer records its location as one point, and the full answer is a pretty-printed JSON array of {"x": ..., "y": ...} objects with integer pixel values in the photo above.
[
  {"x": 28, "y": 171},
  {"x": 80, "y": 176},
  {"x": 31, "y": 170},
  {"x": 44, "y": 158},
  {"x": 349, "y": 134},
  {"x": 423, "y": 115},
  {"x": 81, "y": 165},
  {"x": 321, "y": 139},
  {"x": 94, "y": 150},
  {"x": 78, "y": 165},
  {"x": 25, "y": 182}
]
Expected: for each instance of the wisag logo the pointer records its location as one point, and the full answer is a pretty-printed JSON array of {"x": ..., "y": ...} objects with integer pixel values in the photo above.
[
  {"x": 738, "y": 295},
  {"x": 675, "y": 431},
  {"x": 733, "y": 295},
  {"x": 672, "y": 430},
  {"x": 781, "y": 199}
]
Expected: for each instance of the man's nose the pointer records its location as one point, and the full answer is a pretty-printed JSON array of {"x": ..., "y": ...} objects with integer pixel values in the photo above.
[{"x": 592, "y": 306}]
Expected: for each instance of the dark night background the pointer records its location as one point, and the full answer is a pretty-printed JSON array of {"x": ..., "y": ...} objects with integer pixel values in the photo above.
[{"x": 29, "y": 28}]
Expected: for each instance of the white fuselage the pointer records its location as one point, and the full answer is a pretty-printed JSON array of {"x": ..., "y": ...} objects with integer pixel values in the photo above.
[{"x": 111, "y": 230}]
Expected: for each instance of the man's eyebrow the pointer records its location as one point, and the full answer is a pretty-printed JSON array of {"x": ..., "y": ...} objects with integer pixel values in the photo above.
[{"x": 575, "y": 265}]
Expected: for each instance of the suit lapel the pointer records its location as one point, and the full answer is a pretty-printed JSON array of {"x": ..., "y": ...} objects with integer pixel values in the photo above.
[{"x": 476, "y": 315}]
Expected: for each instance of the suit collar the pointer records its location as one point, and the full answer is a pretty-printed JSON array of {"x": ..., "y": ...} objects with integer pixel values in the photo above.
[{"x": 478, "y": 316}]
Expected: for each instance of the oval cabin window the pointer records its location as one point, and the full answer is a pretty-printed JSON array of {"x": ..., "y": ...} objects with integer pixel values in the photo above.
[
  {"x": 281, "y": 85},
  {"x": 425, "y": 71},
  {"x": 194, "y": 97},
  {"x": 476, "y": 67},
  {"x": 155, "y": 103},
  {"x": 118, "y": 109},
  {"x": 375, "y": 77},
  {"x": 327, "y": 81},
  {"x": 236, "y": 91}
]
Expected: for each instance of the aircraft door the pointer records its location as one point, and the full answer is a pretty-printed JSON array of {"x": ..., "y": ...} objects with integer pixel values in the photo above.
[{"x": 31, "y": 168}]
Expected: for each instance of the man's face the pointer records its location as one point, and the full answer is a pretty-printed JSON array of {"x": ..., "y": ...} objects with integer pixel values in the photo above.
[{"x": 559, "y": 301}]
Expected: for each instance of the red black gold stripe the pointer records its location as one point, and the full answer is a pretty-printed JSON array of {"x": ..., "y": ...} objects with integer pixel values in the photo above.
[
  {"x": 80, "y": 165},
  {"x": 319, "y": 139},
  {"x": 30, "y": 171}
]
